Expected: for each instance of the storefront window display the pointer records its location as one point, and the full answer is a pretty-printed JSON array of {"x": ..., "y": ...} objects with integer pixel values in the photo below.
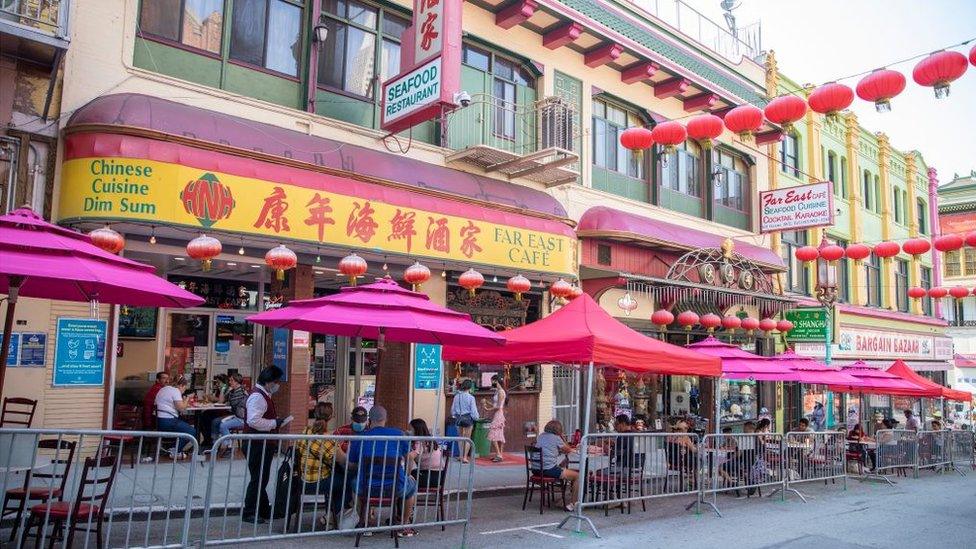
[
  {"x": 739, "y": 401},
  {"x": 878, "y": 407}
]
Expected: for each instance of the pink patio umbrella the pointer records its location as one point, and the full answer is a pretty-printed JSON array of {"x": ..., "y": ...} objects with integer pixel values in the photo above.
[
  {"x": 738, "y": 364},
  {"x": 40, "y": 259},
  {"x": 814, "y": 372},
  {"x": 382, "y": 311},
  {"x": 880, "y": 382}
]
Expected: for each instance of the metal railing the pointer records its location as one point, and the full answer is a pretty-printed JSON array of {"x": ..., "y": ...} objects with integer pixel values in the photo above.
[
  {"x": 730, "y": 44},
  {"x": 894, "y": 452},
  {"x": 961, "y": 446},
  {"x": 46, "y": 16},
  {"x": 742, "y": 462},
  {"x": 933, "y": 451},
  {"x": 814, "y": 456},
  {"x": 509, "y": 126}
]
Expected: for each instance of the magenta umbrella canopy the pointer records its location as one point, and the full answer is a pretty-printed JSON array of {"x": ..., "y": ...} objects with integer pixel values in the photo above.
[
  {"x": 57, "y": 263},
  {"x": 363, "y": 311},
  {"x": 813, "y": 372},
  {"x": 739, "y": 364}
]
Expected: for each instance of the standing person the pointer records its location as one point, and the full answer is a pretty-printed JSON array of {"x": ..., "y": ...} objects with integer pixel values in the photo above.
[
  {"x": 496, "y": 429},
  {"x": 236, "y": 398},
  {"x": 357, "y": 426},
  {"x": 464, "y": 410},
  {"x": 911, "y": 422},
  {"x": 169, "y": 405},
  {"x": 261, "y": 418},
  {"x": 149, "y": 401},
  {"x": 553, "y": 445},
  {"x": 818, "y": 417}
]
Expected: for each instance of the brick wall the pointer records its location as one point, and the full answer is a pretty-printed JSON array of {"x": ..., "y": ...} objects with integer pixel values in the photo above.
[{"x": 393, "y": 383}]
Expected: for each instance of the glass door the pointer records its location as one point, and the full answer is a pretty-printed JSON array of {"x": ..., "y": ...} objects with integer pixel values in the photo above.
[
  {"x": 233, "y": 348},
  {"x": 188, "y": 345},
  {"x": 363, "y": 361}
]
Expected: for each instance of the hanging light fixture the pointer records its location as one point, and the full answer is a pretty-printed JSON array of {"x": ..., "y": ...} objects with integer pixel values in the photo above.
[
  {"x": 880, "y": 87},
  {"x": 627, "y": 303},
  {"x": 518, "y": 285},
  {"x": 240, "y": 251},
  {"x": 152, "y": 235}
]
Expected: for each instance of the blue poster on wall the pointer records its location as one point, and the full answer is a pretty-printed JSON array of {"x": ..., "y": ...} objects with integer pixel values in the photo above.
[
  {"x": 79, "y": 352},
  {"x": 14, "y": 350},
  {"x": 279, "y": 350},
  {"x": 33, "y": 349},
  {"x": 427, "y": 366}
]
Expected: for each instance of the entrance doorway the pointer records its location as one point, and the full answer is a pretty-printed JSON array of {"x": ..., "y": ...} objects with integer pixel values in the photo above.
[
  {"x": 344, "y": 373},
  {"x": 201, "y": 345}
]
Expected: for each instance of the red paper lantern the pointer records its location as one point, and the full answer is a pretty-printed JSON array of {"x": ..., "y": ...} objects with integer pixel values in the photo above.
[
  {"x": 857, "y": 252},
  {"x": 831, "y": 252},
  {"x": 731, "y": 322},
  {"x": 938, "y": 292},
  {"x": 636, "y": 139},
  {"x": 280, "y": 258},
  {"x": 917, "y": 292},
  {"x": 947, "y": 242},
  {"x": 670, "y": 134},
  {"x": 938, "y": 70},
  {"x": 959, "y": 292},
  {"x": 518, "y": 285},
  {"x": 767, "y": 325},
  {"x": 971, "y": 239},
  {"x": 916, "y": 246},
  {"x": 352, "y": 266},
  {"x": 107, "y": 239},
  {"x": 880, "y": 86},
  {"x": 576, "y": 292},
  {"x": 750, "y": 324},
  {"x": 831, "y": 98},
  {"x": 204, "y": 248},
  {"x": 704, "y": 128},
  {"x": 972, "y": 56},
  {"x": 785, "y": 110},
  {"x": 710, "y": 321},
  {"x": 416, "y": 275},
  {"x": 744, "y": 120},
  {"x": 662, "y": 319},
  {"x": 471, "y": 280},
  {"x": 561, "y": 289},
  {"x": 688, "y": 319},
  {"x": 807, "y": 254},
  {"x": 784, "y": 326},
  {"x": 886, "y": 249}
]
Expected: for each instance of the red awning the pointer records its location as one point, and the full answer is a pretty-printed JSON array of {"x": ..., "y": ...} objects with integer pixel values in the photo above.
[
  {"x": 581, "y": 332},
  {"x": 902, "y": 370},
  {"x": 601, "y": 221},
  {"x": 880, "y": 382}
]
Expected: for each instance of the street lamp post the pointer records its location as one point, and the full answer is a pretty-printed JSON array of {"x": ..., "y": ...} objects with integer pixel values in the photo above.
[{"x": 827, "y": 296}]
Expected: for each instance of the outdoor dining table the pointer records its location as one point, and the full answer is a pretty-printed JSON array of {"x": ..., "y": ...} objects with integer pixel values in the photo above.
[
  {"x": 197, "y": 411},
  {"x": 39, "y": 463}
]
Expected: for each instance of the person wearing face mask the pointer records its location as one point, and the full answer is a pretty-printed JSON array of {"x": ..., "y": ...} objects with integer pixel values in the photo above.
[
  {"x": 360, "y": 419},
  {"x": 261, "y": 418}
]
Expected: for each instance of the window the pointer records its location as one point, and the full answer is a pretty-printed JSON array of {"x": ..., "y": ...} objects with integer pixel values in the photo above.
[
  {"x": 843, "y": 176},
  {"x": 877, "y": 194},
  {"x": 832, "y": 174},
  {"x": 267, "y": 33},
  {"x": 896, "y": 206},
  {"x": 604, "y": 254},
  {"x": 681, "y": 172},
  {"x": 506, "y": 75},
  {"x": 925, "y": 275},
  {"x": 350, "y": 61},
  {"x": 198, "y": 25},
  {"x": 906, "y": 211},
  {"x": 953, "y": 267},
  {"x": 923, "y": 227},
  {"x": 901, "y": 284},
  {"x": 872, "y": 271},
  {"x": 796, "y": 270},
  {"x": 789, "y": 155},
  {"x": 969, "y": 257},
  {"x": 843, "y": 276},
  {"x": 609, "y": 121},
  {"x": 866, "y": 191},
  {"x": 734, "y": 188}
]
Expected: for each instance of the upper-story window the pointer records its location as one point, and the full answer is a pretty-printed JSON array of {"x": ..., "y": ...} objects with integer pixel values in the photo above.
[
  {"x": 925, "y": 280},
  {"x": 901, "y": 284},
  {"x": 362, "y": 48},
  {"x": 832, "y": 174},
  {"x": 896, "y": 206},
  {"x": 877, "y": 194},
  {"x": 267, "y": 34},
  {"x": 681, "y": 171},
  {"x": 789, "y": 155},
  {"x": 923, "y": 226},
  {"x": 872, "y": 271},
  {"x": 843, "y": 177},
  {"x": 867, "y": 191},
  {"x": 843, "y": 276},
  {"x": 199, "y": 24},
  {"x": 609, "y": 121},
  {"x": 796, "y": 270},
  {"x": 732, "y": 187},
  {"x": 969, "y": 261},
  {"x": 953, "y": 266}
]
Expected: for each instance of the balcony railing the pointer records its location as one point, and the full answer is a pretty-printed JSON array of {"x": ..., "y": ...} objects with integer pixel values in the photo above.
[
  {"x": 48, "y": 17},
  {"x": 730, "y": 44},
  {"x": 535, "y": 141}
]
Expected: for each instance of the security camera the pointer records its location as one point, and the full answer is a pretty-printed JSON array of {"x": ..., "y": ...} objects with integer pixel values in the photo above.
[{"x": 462, "y": 98}]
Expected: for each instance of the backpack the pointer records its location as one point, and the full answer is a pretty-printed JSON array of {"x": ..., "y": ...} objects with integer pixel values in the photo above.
[{"x": 288, "y": 487}]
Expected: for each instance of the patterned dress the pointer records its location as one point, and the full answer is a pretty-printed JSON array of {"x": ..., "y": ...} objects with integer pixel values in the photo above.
[{"x": 496, "y": 429}]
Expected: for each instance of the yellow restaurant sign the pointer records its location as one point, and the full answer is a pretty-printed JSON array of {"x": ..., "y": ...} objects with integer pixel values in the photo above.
[{"x": 124, "y": 189}]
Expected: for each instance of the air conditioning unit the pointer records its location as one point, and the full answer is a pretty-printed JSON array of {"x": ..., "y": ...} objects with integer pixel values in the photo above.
[{"x": 557, "y": 124}]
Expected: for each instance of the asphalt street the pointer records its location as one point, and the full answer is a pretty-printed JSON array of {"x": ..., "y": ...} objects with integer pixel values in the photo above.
[{"x": 936, "y": 510}]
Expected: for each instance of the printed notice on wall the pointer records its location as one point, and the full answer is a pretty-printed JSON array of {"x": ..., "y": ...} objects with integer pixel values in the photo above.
[{"x": 79, "y": 352}]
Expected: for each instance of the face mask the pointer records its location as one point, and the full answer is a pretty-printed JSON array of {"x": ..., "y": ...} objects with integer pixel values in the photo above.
[
  {"x": 272, "y": 388},
  {"x": 359, "y": 427}
]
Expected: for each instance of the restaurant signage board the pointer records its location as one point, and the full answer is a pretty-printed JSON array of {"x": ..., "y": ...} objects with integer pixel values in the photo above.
[
  {"x": 800, "y": 207},
  {"x": 314, "y": 208},
  {"x": 809, "y": 324},
  {"x": 79, "y": 352}
]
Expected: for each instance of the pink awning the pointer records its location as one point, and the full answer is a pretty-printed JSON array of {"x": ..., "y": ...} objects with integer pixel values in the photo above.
[
  {"x": 739, "y": 364},
  {"x": 813, "y": 372}
]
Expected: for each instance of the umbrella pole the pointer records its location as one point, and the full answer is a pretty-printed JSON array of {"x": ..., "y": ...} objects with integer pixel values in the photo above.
[
  {"x": 8, "y": 324},
  {"x": 578, "y": 515}
]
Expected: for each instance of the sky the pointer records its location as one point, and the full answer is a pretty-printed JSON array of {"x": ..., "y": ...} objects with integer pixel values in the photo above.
[{"x": 824, "y": 40}]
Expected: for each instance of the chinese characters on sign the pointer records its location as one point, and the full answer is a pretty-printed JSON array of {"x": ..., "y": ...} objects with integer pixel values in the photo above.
[
  {"x": 793, "y": 208},
  {"x": 428, "y": 22}
]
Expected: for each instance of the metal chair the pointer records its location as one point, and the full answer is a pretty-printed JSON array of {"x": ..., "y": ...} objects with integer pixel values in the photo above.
[
  {"x": 17, "y": 412},
  {"x": 378, "y": 500},
  {"x": 64, "y": 452},
  {"x": 534, "y": 479},
  {"x": 431, "y": 486}
]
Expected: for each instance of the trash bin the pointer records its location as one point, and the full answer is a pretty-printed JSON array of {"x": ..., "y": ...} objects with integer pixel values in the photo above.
[{"x": 482, "y": 448}]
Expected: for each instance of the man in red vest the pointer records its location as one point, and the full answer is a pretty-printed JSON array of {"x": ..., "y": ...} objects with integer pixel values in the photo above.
[{"x": 261, "y": 418}]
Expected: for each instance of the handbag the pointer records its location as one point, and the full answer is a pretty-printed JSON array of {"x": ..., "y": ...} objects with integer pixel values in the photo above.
[{"x": 464, "y": 420}]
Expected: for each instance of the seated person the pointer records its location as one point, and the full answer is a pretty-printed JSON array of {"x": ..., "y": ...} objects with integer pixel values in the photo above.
[
  {"x": 381, "y": 467},
  {"x": 639, "y": 423},
  {"x": 856, "y": 434},
  {"x": 725, "y": 456},
  {"x": 681, "y": 449},
  {"x": 425, "y": 461},
  {"x": 622, "y": 450},
  {"x": 236, "y": 398},
  {"x": 552, "y": 442},
  {"x": 358, "y": 424},
  {"x": 169, "y": 405},
  {"x": 322, "y": 467}
]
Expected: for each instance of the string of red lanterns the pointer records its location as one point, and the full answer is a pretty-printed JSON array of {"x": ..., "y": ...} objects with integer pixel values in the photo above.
[{"x": 886, "y": 249}]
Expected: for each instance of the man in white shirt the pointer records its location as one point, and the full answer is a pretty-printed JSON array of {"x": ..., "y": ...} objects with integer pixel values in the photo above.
[
  {"x": 261, "y": 418},
  {"x": 911, "y": 422},
  {"x": 169, "y": 405}
]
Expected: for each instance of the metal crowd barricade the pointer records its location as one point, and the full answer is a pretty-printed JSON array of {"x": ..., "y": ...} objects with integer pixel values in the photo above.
[
  {"x": 86, "y": 488},
  {"x": 961, "y": 453},
  {"x": 814, "y": 456},
  {"x": 894, "y": 453},
  {"x": 621, "y": 469},
  {"x": 933, "y": 451},
  {"x": 266, "y": 487},
  {"x": 740, "y": 462}
]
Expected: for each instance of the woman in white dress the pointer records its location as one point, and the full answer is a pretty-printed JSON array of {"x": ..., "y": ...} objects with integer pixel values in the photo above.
[{"x": 496, "y": 429}]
